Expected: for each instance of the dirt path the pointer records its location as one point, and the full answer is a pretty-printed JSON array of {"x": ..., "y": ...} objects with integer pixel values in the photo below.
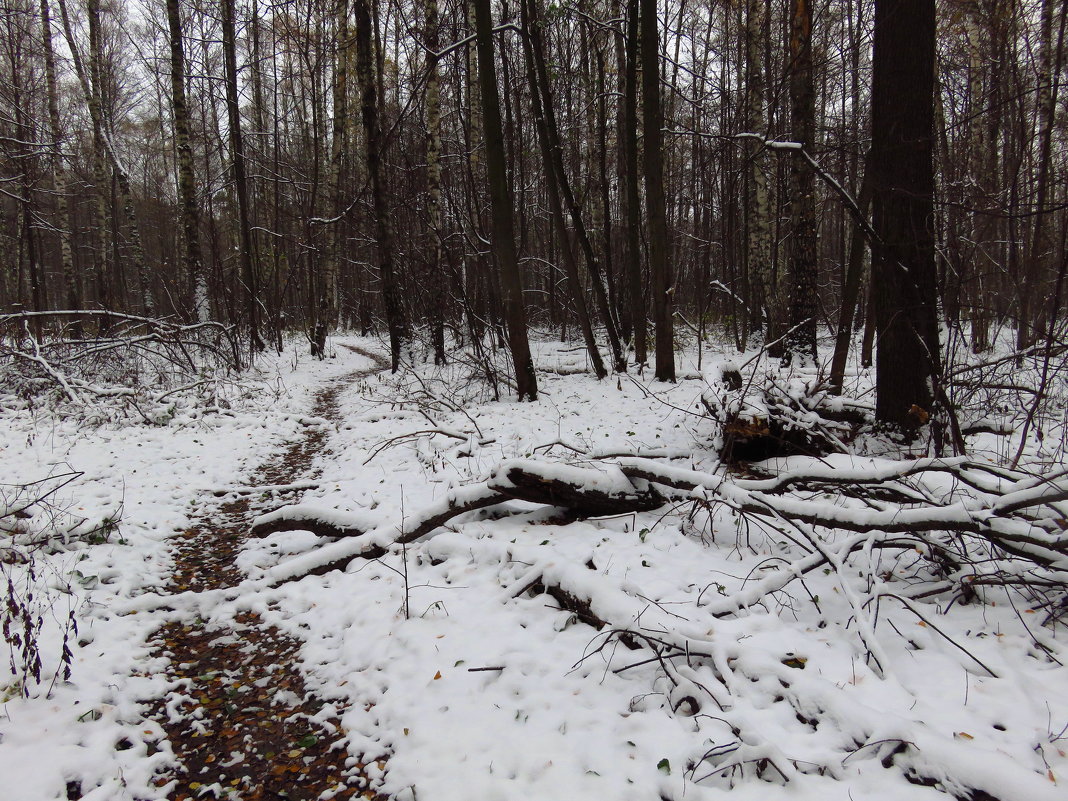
[{"x": 242, "y": 724}]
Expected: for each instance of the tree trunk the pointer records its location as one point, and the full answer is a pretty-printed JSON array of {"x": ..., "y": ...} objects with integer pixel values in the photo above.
[
  {"x": 851, "y": 287},
  {"x": 559, "y": 174},
  {"x": 436, "y": 284},
  {"x": 237, "y": 154},
  {"x": 501, "y": 207},
  {"x": 90, "y": 85},
  {"x": 187, "y": 193},
  {"x": 652, "y": 123},
  {"x": 903, "y": 270},
  {"x": 758, "y": 204},
  {"x": 396, "y": 320},
  {"x": 633, "y": 203},
  {"x": 801, "y": 339},
  {"x": 547, "y": 143},
  {"x": 326, "y": 282},
  {"x": 59, "y": 171},
  {"x": 27, "y": 213},
  {"x": 1045, "y": 108}
]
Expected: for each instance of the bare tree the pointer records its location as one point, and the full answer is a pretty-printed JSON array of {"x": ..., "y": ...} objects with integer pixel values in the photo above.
[
  {"x": 187, "y": 190},
  {"x": 653, "y": 152},
  {"x": 501, "y": 208},
  {"x": 908, "y": 364},
  {"x": 632, "y": 193},
  {"x": 801, "y": 339},
  {"x": 396, "y": 319},
  {"x": 237, "y": 155}
]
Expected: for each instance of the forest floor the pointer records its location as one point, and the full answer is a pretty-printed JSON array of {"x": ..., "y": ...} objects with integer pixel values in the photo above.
[
  {"x": 242, "y": 720},
  {"x": 445, "y": 670}
]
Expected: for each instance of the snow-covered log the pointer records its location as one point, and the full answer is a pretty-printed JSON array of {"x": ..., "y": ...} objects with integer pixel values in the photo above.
[
  {"x": 1000, "y": 520},
  {"x": 326, "y": 522},
  {"x": 319, "y": 520},
  {"x": 602, "y": 489},
  {"x": 1012, "y": 524},
  {"x": 584, "y": 491}
]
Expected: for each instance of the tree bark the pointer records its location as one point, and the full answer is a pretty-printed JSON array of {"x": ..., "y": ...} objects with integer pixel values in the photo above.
[
  {"x": 396, "y": 319},
  {"x": 801, "y": 338},
  {"x": 558, "y": 175},
  {"x": 437, "y": 289},
  {"x": 237, "y": 155},
  {"x": 758, "y": 205},
  {"x": 656, "y": 210},
  {"x": 1030, "y": 327},
  {"x": 541, "y": 108},
  {"x": 851, "y": 287},
  {"x": 59, "y": 170},
  {"x": 326, "y": 282},
  {"x": 501, "y": 208},
  {"x": 903, "y": 269},
  {"x": 632, "y": 198},
  {"x": 187, "y": 192}
]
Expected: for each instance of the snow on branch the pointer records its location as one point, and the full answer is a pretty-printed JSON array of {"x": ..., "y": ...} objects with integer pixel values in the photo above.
[
  {"x": 1015, "y": 517},
  {"x": 1041, "y": 539},
  {"x": 584, "y": 491}
]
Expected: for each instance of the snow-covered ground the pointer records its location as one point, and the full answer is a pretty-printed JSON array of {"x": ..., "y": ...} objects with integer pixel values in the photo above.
[
  {"x": 473, "y": 687},
  {"x": 156, "y": 480}
]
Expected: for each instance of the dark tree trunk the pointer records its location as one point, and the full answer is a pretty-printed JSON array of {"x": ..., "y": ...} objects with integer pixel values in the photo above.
[
  {"x": 237, "y": 154},
  {"x": 539, "y": 107},
  {"x": 501, "y": 208},
  {"x": 652, "y": 123},
  {"x": 59, "y": 171},
  {"x": 851, "y": 287},
  {"x": 556, "y": 174},
  {"x": 801, "y": 339},
  {"x": 633, "y": 266},
  {"x": 907, "y": 359},
  {"x": 396, "y": 321}
]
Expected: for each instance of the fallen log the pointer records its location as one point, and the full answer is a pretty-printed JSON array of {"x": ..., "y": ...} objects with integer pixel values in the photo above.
[
  {"x": 1001, "y": 523},
  {"x": 585, "y": 491},
  {"x": 1005, "y": 517},
  {"x": 319, "y": 520}
]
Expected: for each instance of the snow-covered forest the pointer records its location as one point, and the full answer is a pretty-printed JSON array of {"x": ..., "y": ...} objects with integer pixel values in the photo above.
[{"x": 464, "y": 399}]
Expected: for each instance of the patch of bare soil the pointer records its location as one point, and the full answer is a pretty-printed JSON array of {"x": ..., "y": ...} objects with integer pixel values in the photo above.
[{"x": 242, "y": 723}]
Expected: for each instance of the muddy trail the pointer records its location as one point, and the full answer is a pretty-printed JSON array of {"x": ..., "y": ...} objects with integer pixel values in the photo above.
[{"x": 242, "y": 724}]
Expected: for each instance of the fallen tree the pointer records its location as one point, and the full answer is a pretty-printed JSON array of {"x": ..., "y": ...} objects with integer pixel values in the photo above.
[
  {"x": 583, "y": 491},
  {"x": 891, "y": 534},
  {"x": 1015, "y": 517},
  {"x": 95, "y": 362}
]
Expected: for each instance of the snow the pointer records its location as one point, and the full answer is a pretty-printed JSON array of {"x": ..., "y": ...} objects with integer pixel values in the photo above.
[
  {"x": 438, "y": 657},
  {"x": 355, "y": 521}
]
